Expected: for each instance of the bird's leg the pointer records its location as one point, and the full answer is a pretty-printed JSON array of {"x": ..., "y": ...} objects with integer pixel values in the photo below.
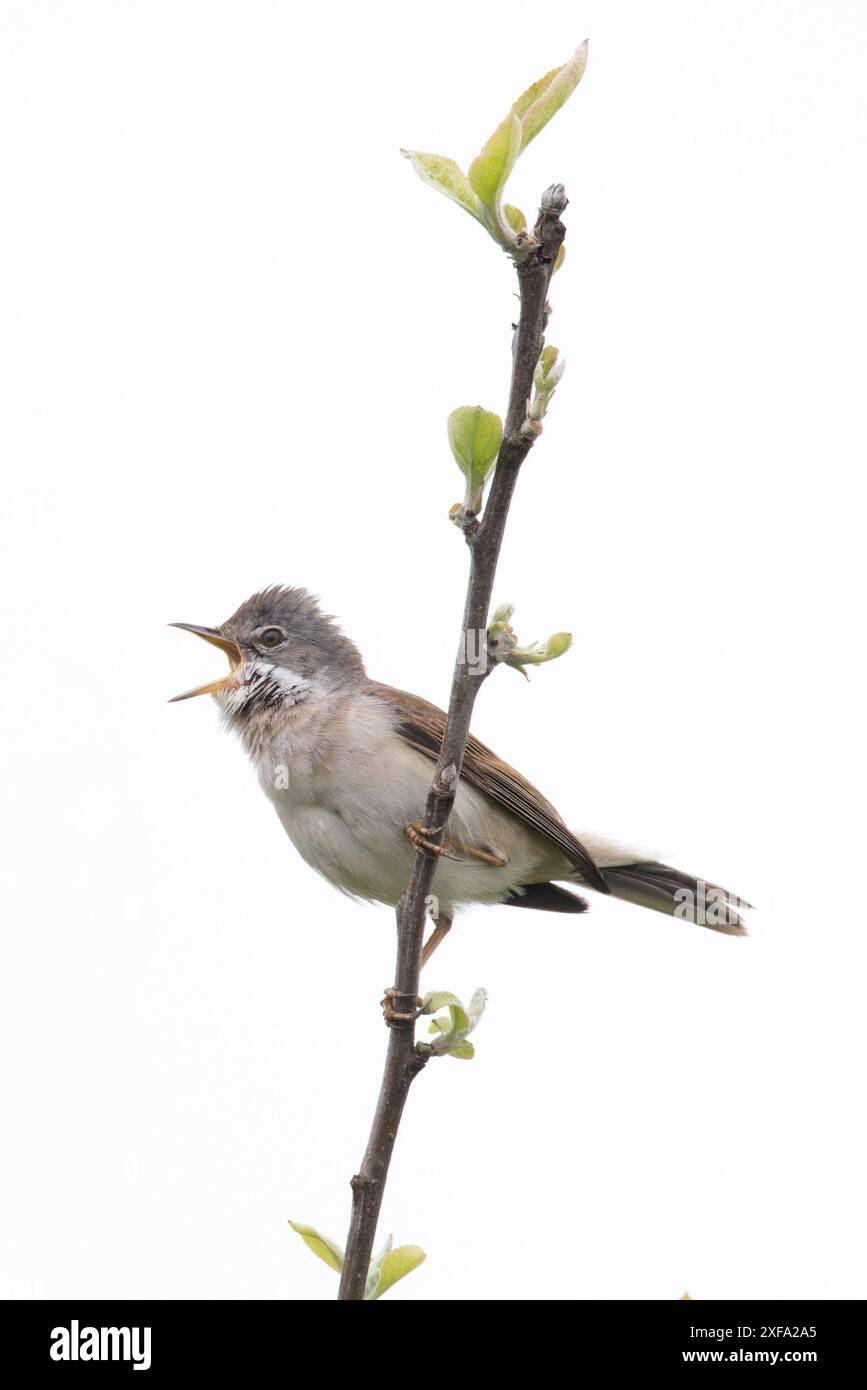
[
  {"x": 395, "y": 1001},
  {"x": 439, "y": 933},
  {"x": 487, "y": 856},
  {"x": 417, "y": 835}
]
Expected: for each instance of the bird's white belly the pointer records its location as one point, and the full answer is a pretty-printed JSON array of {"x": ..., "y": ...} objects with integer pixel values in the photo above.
[
  {"x": 323, "y": 838},
  {"x": 347, "y": 819}
]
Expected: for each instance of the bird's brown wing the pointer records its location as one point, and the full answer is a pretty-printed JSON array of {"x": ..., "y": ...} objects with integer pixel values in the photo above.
[{"x": 422, "y": 725}]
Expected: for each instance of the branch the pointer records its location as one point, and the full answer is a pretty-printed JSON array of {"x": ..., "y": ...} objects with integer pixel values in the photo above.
[{"x": 404, "y": 1058}]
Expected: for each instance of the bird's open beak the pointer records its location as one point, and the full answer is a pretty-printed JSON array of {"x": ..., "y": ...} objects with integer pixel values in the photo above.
[{"x": 232, "y": 650}]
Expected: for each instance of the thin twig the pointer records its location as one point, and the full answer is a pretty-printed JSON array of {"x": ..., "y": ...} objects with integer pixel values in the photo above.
[{"x": 404, "y": 1060}]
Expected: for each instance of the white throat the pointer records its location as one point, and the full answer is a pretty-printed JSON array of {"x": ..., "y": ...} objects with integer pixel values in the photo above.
[{"x": 260, "y": 685}]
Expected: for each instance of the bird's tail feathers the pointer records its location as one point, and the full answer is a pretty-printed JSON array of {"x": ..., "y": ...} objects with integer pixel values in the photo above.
[{"x": 664, "y": 889}]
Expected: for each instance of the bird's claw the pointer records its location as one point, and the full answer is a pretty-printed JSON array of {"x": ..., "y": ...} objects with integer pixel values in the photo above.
[
  {"x": 394, "y": 1006},
  {"x": 417, "y": 835}
]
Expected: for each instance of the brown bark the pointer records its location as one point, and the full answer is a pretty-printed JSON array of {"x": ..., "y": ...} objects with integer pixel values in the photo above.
[{"x": 404, "y": 1058}]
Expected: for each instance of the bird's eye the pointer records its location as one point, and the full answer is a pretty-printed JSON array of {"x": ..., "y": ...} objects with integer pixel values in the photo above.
[{"x": 271, "y": 637}]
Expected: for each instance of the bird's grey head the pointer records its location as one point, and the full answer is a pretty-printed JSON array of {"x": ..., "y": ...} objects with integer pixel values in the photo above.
[{"x": 282, "y": 650}]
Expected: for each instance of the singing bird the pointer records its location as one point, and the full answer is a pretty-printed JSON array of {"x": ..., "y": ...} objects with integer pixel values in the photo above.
[{"x": 347, "y": 764}]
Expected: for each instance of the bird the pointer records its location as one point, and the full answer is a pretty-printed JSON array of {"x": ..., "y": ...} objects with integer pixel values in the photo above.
[{"x": 347, "y": 763}]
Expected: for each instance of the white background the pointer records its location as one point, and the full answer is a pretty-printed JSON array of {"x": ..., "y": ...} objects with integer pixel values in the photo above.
[{"x": 233, "y": 325}]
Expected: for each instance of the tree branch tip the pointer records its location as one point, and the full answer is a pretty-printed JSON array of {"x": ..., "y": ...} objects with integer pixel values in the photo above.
[{"x": 554, "y": 199}]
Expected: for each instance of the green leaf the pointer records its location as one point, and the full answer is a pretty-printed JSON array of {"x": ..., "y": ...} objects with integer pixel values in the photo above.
[
  {"x": 475, "y": 436},
  {"x": 516, "y": 219},
  {"x": 320, "y": 1245},
  {"x": 460, "y": 1019},
  {"x": 558, "y": 644},
  {"x": 446, "y": 176},
  {"x": 547, "y": 358},
  {"x": 554, "y": 89},
  {"x": 397, "y": 1264},
  {"x": 549, "y": 371},
  {"x": 452, "y": 1039},
  {"x": 375, "y": 1271},
  {"x": 533, "y": 92},
  {"x": 477, "y": 1006},
  {"x": 493, "y": 165},
  {"x": 479, "y": 192},
  {"x": 436, "y": 1000},
  {"x": 537, "y": 653}
]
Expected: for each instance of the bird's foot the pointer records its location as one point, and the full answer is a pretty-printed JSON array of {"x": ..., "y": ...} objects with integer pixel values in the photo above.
[
  {"x": 399, "y": 1007},
  {"x": 417, "y": 835}
]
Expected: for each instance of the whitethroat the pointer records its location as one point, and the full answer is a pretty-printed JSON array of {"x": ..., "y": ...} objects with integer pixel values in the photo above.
[{"x": 347, "y": 763}]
